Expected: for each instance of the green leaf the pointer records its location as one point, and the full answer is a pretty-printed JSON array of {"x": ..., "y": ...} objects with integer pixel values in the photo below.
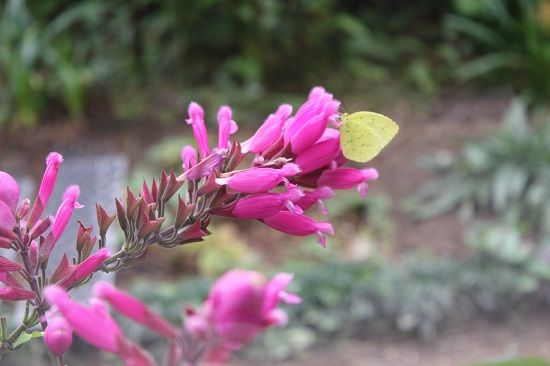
[
  {"x": 517, "y": 362},
  {"x": 26, "y": 337}
]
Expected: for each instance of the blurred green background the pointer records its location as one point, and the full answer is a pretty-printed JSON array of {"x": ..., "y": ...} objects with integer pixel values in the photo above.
[{"x": 446, "y": 262}]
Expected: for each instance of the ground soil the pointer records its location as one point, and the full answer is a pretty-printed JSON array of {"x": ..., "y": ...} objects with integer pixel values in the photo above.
[{"x": 479, "y": 342}]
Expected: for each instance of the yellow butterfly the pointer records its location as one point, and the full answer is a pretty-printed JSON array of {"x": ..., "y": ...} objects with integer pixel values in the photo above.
[{"x": 364, "y": 134}]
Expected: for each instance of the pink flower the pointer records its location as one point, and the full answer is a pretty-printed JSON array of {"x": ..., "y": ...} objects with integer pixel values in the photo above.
[
  {"x": 94, "y": 324},
  {"x": 65, "y": 211},
  {"x": 311, "y": 120},
  {"x": 320, "y": 154},
  {"x": 346, "y": 178},
  {"x": 74, "y": 274},
  {"x": 312, "y": 197},
  {"x": 258, "y": 180},
  {"x": 240, "y": 305},
  {"x": 196, "y": 120},
  {"x": 189, "y": 157},
  {"x": 9, "y": 191},
  {"x": 226, "y": 126},
  {"x": 269, "y": 132},
  {"x": 134, "y": 309},
  {"x": 262, "y": 205},
  {"x": 53, "y": 161},
  {"x": 58, "y": 335},
  {"x": 299, "y": 225}
]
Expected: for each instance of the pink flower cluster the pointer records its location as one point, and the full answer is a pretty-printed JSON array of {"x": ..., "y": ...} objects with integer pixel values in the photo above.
[
  {"x": 240, "y": 305},
  {"x": 33, "y": 237},
  {"x": 295, "y": 162}
]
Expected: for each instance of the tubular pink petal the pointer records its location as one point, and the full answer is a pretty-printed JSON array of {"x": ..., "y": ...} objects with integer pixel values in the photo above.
[
  {"x": 226, "y": 126},
  {"x": 261, "y": 205},
  {"x": 16, "y": 294},
  {"x": 258, "y": 180},
  {"x": 94, "y": 326},
  {"x": 53, "y": 161},
  {"x": 58, "y": 336},
  {"x": 65, "y": 211},
  {"x": 189, "y": 157},
  {"x": 196, "y": 120},
  {"x": 7, "y": 265},
  {"x": 346, "y": 178},
  {"x": 7, "y": 218},
  {"x": 84, "y": 269},
  {"x": 298, "y": 225},
  {"x": 204, "y": 168},
  {"x": 266, "y": 136},
  {"x": 9, "y": 191},
  {"x": 318, "y": 155},
  {"x": 134, "y": 309},
  {"x": 312, "y": 197}
]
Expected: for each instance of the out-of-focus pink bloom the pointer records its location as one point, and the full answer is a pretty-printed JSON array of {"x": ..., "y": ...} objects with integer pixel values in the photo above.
[
  {"x": 7, "y": 265},
  {"x": 53, "y": 161},
  {"x": 134, "y": 309},
  {"x": 65, "y": 211},
  {"x": 226, "y": 126},
  {"x": 132, "y": 355},
  {"x": 346, "y": 178},
  {"x": 320, "y": 154},
  {"x": 189, "y": 157},
  {"x": 7, "y": 218},
  {"x": 196, "y": 120},
  {"x": 311, "y": 120},
  {"x": 312, "y": 197},
  {"x": 9, "y": 191},
  {"x": 299, "y": 225},
  {"x": 269, "y": 132},
  {"x": 94, "y": 324},
  {"x": 74, "y": 274},
  {"x": 241, "y": 304},
  {"x": 258, "y": 180},
  {"x": 262, "y": 205},
  {"x": 58, "y": 335},
  {"x": 16, "y": 294}
]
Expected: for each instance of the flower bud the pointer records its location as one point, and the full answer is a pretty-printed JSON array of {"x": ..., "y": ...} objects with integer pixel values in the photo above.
[
  {"x": 299, "y": 225},
  {"x": 226, "y": 126},
  {"x": 258, "y": 180},
  {"x": 23, "y": 209}
]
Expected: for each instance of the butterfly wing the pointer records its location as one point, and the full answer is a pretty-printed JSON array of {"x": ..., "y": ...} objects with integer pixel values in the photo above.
[{"x": 364, "y": 134}]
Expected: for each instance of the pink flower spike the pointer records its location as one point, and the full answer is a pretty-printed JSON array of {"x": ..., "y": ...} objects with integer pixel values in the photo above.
[
  {"x": 53, "y": 161},
  {"x": 58, "y": 336},
  {"x": 7, "y": 265},
  {"x": 196, "y": 120},
  {"x": 262, "y": 205},
  {"x": 94, "y": 326},
  {"x": 226, "y": 126},
  {"x": 258, "y": 180},
  {"x": 299, "y": 225},
  {"x": 65, "y": 211},
  {"x": 16, "y": 294},
  {"x": 134, "y": 309},
  {"x": 9, "y": 191},
  {"x": 84, "y": 269},
  {"x": 346, "y": 178},
  {"x": 189, "y": 157}
]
